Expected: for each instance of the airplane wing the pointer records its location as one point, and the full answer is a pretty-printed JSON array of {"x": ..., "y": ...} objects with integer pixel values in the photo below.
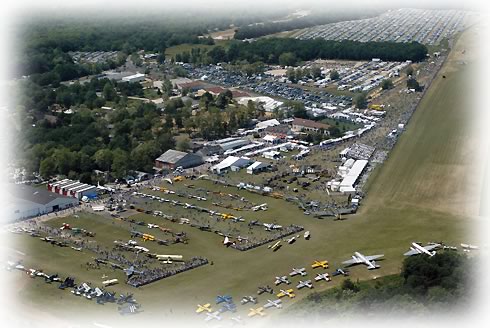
[
  {"x": 374, "y": 257},
  {"x": 411, "y": 252},
  {"x": 351, "y": 261},
  {"x": 431, "y": 247}
]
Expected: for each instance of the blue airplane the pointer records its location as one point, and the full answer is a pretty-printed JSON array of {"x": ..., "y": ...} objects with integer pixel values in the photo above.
[
  {"x": 223, "y": 299},
  {"x": 340, "y": 271}
]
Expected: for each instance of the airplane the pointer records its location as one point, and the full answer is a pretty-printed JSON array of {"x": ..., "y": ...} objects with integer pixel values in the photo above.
[
  {"x": 151, "y": 226},
  {"x": 224, "y": 299},
  {"x": 201, "y": 308},
  {"x": 248, "y": 299},
  {"x": 225, "y": 216},
  {"x": 322, "y": 276},
  {"x": 271, "y": 226},
  {"x": 131, "y": 271},
  {"x": 282, "y": 280},
  {"x": 318, "y": 264},
  {"x": 52, "y": 278},
  {"x": 187, "y": 205},
  {"x": 68, "y": 282},
  {"x": 105, "y": 188},
  {"x": 265, "y": 289},
  {"x": 340, "y": 271},
  {"x": 148, "y": 237},
  {"x": 303, "y": 284},
  {"x": 65, "y": 226},
  {"x": 128, "y": 298},
  {"x": 227, "y": 242},
  {"x": 416, "y": 249},
  {"x": 128, "y": 309},
  {"x": 262, "y": 207},
  {"x": 277, "y": 304},
  {"x": 275, "y": 246},
  {"x": 109, "y": 282},
  {"x": 291, "y": 240},
  {"x": 78, "y": 249},
  {"x": 358, "y": 258},
  {"x": 258, "y": 311},
  {"x": 288, "y": 293},
  {"x": 141, "y": 248},
  {"x": 230, "y": 306},
  {"x": 295, "y": 272},
  {"x": 212, "y": 316},
  {"x": 307, "y": 235}
]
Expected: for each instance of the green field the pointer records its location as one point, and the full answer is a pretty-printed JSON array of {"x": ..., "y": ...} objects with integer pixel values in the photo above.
[
  {"x": 419, "y": 194},
  {"x": 172, "y": 51}
]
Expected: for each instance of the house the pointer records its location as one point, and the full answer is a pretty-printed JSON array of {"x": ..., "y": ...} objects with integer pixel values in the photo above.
[
  {"x": 273, "y": 154},
  {"x": 26, "y": 201},
  {"x": 304, "y": 125},
  {"x": 172, "y": 159},
  {"x": 258, "y": 167},
  {"x": 272, "y": 139}
]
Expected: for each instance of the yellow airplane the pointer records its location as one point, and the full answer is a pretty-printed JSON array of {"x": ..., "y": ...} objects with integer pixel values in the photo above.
[
  {"x": 288, "y": 293},
  {"x": 201, "y": 308},
  {"x": 317, "y": 264},
  {"x": 225, "y": 216},
  {"x": 147, "y": 237},
  {"x": 178, "y": 178},
  {"x": 258, "y": 311}
]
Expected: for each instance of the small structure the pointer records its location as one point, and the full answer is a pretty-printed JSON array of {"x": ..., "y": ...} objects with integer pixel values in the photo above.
[
  {"x": 138, "y": 77},
  {"x": 273, "y": 154},
  {"x": 172, "y": 159},
  {"x": 229, "y": 162},
  {"x": 258, "y": 167}
]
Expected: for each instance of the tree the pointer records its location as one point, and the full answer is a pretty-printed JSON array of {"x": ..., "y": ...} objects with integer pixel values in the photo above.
[
  {"x": 386, "y": 84},
  {"x": 108, "y": 92},
  {"x": 183, "y": 144},
  {"x": 119, "y": 165},
  {"x": 334, "y": 75},
  {"x": 47, "y": 167},
  {"x": 103, "y": 159},
  {"x": 347, "y": 284},
  {"x": 316, "y": 72},
  {"x": 360, "y": 100},
  {"x": 287, "y": 59},
  {"x": 334, "y": 132},
  {"x": 409, "y": 70},
  {"x": 413, "y": 84}
]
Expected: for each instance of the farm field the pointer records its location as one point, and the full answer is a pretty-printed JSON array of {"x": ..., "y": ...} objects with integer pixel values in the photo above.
[{"x": 421, "y": 193}]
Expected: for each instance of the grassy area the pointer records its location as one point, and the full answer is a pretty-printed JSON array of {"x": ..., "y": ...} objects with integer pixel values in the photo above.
[
  {"x": 343, "y": 125},
  {"x": 418, "y": 195},
  {"x": 172, "y": 51}
]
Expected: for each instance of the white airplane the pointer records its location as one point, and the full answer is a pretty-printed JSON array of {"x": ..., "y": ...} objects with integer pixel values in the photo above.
[
  {"x": 141, "y": 248},
  {"x": 271, "y": 226},
  {"x": 262, "y": 207},
  {"x": 322, "y": 276},
  {"x": 282, "y": 280},
  {"x": 98, "y": 292},
  {"x": 358, "y": 258},
  {"x": 212, "y": 316},
  {"x": 110, "y": 282},
  {"x": 151, "y": 225},
  {"x": 303, "y": 284},
  {"x": 277, "y": 304},
  {"x": 295, "y": 272},
  {"x": 248, "y": 299},
  {"x": 416, "y": 249},
  {"x": 291, "y": 240},
  {"x": 105, "y": 188}
]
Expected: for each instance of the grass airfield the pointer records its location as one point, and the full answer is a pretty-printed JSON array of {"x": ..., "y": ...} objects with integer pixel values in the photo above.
[{"x": 421, "y": 193}]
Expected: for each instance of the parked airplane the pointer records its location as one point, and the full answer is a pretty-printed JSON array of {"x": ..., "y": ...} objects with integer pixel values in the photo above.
[
  {"x": 303, "y": 284},
  {"x": 131, "y": 271},
  {"x": 275, "y": 246},
  {"x": 258, "y": 311},
  {"x": 151, "y": 226},
  {"x": 277, "y": 304},
  {"x": 282, "y": 280},
  {"x": 318, "y": 264},
  {"x": 416, "y": 249},
  {"x": 295, "y": 272},
  {"x": 265, "y": 289},
  {"x": 262, "y": 207},
  {"x": 230, "y": 306},
  {"x": 212, "y": 316},
  {"x": 359, "y": 258},
  {"x": 223, "y": 299},
  {"x": 291, "y": 240},
  {"x": 201, "y": 308},
  {"x": 110, "y": 282},
  {"x": 307, "y": 235},
  {"x": 288, "y": 293},
  {"x": 248, "y": 299},
  {"x": 271, "y": 226},
  {"x": 340, "y": 271},
  {"x": 322, "y": 276}
]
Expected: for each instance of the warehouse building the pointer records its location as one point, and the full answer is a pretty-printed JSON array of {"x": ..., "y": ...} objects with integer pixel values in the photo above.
[
  {"x": 26, "y": 202},
  {"x": 172, "y": 159},
  {"x": 71, "y": 188},
  {"x": 138, "y": 77}
]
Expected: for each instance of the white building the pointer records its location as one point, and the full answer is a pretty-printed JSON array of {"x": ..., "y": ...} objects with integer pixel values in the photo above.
[{"x": 138, "y": 77}]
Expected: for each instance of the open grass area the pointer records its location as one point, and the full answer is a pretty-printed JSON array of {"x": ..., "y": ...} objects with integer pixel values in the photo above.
[
  {"x": 419, "y": 194},
  {"x": 172, "y": 51}
]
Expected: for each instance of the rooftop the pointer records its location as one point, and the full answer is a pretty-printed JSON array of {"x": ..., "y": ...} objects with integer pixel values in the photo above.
[
  {"x": 171, "y": 156},
  {"x": 31, "y": 194},
  {"x": 309, "y": 123}
]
